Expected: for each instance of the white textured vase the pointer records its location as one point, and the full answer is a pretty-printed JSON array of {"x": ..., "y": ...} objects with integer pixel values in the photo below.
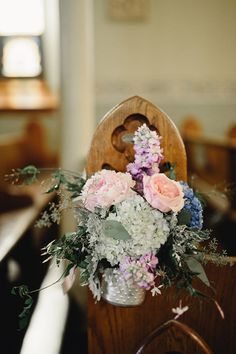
[{"x": 118, "y": 292}]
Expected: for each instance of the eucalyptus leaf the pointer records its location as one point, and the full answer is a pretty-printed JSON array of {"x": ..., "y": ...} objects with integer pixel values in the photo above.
[
  {"x": 128, "y": 138},
  {"x": 172, "y": 174},
  {"x": 29, "y": 173},
  {"x": 25, "y": 314},
  {"x": 201, "y": 198},
  {"x": 52, "y": 189},
  {"x": 184, "y": 217},
  {"x": 169, "y": 168},
  {"x": 59, "y": 175},
  {"x": 14, "y": 290},
  {"x": 23, "y": 322},
  {"x": 82, "y": 214},
  {"x": 196, "y": 267},
  {"x": 68, "y": 268},
  {"x": 21, "y": 290},
  {"x": 29, "y": 301},
  {"x": 116, "y": 230},
  {"x": 83, "y": 264}
]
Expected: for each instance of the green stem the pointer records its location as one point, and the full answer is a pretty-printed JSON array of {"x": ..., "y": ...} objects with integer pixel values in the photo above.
[
  {"x": 51, "y": 169},
  {"x": 48, "y": 286}
]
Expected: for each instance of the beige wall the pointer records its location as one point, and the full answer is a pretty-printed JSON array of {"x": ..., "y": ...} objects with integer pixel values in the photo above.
[
  {"x": 182, "y": 58},
  {"x": 181, "y": 39}
]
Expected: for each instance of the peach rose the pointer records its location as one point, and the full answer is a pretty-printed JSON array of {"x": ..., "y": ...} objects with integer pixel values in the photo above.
[
  {"x": 106, "y": 188},
  {"x": 163, "y": 193}
]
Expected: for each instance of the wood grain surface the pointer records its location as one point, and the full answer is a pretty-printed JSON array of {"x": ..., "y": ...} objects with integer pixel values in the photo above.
[{"x": 109, "y": 150}]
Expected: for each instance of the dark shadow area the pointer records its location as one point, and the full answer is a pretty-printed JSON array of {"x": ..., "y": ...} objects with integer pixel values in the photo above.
[
  {"x": 28, "y": 270},
  {"x": 223, "y": 228},
  {"x": 75, "y": 336}
]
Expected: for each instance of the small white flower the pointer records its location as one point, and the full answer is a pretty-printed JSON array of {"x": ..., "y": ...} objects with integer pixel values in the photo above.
[
  {"x": 179, "y": 310},
  {"x": 156, "y": 290}
]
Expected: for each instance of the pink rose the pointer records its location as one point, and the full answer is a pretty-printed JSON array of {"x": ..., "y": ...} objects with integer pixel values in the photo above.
[
  {"x": 163, "y": 193},
  {"x": 106, "y": 188}
]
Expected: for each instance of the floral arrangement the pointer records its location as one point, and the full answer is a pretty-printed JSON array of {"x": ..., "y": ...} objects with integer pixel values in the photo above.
[{"x": 143, "y": 224}]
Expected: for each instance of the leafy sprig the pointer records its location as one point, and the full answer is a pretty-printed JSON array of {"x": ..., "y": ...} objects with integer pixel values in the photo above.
[
  {"x": 72, "y": 184},
  {"x": 26, "y": 294},
  {"x": 71, "y": 246},
  {"x": 26, "y": 175},
  {"x": 72, "y": 181},
  {"x": 211, "y": 253}
]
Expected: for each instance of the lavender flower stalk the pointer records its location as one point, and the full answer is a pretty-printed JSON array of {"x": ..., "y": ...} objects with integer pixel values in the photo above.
[{"x": 148, "y": 153}]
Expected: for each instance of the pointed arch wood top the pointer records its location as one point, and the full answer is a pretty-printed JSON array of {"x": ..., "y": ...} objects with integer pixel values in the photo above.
[
  {"x": 108, "y": 148},
  {"x": 185, "y": 332}
]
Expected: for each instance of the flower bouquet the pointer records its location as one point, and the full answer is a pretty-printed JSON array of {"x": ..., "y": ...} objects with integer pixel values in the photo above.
[{"x": 136, "y": 231}]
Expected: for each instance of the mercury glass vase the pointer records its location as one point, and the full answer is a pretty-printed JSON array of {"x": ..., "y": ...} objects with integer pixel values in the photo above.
[{"x": 117, "y": 291}]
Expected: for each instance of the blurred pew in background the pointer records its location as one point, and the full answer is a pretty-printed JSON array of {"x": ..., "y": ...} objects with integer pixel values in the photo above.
[
  {"x": 212, "y": 171},
  {"x": 20, "y": 241},
  {"x": 231, "y": 133},
  {"x": 27, "y": 148},
  {"x": 32, "y": 99},
  {"x": 191, "y": 126}
]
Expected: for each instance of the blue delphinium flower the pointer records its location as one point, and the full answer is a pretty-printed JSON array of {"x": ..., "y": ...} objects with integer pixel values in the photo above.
[{"x": 193, "y": 205}]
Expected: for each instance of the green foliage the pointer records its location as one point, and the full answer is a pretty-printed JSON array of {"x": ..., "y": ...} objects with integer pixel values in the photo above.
[
  {"x": 170, "y": 169},
  {"x": 177, "y": 261},
  {"x": 74, "y": 187},
  {"x": 198, "y": 269},
  {"x": 82, "y": 214},
  {"x": 172, "y": 173},
  {"x": 29, "y": 174},
  {"x": 184, "y": 217},
  {"x": 201, "y": 198},
  {"x": 24, "y": 293},
  {"x": 72, "y": 182},
  {"x": 71, "y": 246},
  {"x": 211, "y": 253},
  {"x": 84, "y": 276},
  {"x": 128, "y": 138}
]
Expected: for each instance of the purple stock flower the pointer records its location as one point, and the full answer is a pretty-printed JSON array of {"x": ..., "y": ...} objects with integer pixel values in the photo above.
[
  {"x": 149, "y": 260},
  {"x": 148, "y": 153}
]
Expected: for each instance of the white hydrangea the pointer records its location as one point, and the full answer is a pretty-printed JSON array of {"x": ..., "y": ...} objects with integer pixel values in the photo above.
[{"x": 146, "y": 226}]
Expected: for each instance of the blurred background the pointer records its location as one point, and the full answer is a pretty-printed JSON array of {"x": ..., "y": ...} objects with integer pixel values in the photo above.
[{"x": 65, "y": 64}]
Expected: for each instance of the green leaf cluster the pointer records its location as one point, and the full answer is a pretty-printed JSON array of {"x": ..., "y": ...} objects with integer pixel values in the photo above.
[
  {"x": 184, "y": 217},
  {"x": 71, "y": 246},
  {"x": 170, "y": 169},
  {"x": 29, "y": 174},
  {"x": 74, "y": 184},
  {"x": 24, "y": 316}
]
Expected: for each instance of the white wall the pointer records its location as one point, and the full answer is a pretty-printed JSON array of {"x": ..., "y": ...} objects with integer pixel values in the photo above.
[{"x": 182, "y": 58}]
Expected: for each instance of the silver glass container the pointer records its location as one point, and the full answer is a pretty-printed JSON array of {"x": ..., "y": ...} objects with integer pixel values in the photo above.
[{"x": 117, "y": 291}]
